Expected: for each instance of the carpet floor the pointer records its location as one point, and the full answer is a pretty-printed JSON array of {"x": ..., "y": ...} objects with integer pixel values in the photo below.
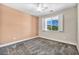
[{"x": 39, "y": 46}]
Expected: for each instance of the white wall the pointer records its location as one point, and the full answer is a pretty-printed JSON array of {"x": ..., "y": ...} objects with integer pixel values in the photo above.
[
  {"x": 78, "y": 29},
  {"x": 70, "y": 27}
]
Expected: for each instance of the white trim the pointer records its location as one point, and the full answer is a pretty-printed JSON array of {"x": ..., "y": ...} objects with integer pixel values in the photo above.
[
  {"x": 60, "y": 41},
  {"x": 10, "y": 43}
]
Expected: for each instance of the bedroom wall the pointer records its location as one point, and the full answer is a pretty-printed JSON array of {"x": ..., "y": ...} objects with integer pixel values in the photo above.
[
  {"x": 16, "y": 25},
  {"x": 78, "y": 28},
  {"x": 70, "y": 27}
]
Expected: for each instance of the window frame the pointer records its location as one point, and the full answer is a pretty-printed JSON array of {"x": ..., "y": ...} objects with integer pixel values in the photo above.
[{"x": 60, "y": 20}]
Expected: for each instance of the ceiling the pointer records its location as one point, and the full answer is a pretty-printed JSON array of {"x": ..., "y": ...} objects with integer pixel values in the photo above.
[{"x": 31, "y": 7}]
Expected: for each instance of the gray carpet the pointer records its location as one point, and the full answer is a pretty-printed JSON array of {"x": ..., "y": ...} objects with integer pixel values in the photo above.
[{"x": 39, "y": 46}]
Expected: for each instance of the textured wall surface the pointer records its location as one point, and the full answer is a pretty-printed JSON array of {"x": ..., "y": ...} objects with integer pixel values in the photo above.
[
  {"x": 78, "y": 29},
  {"x": 70, "y": 27},
  {"x": 16, "y": 25}
]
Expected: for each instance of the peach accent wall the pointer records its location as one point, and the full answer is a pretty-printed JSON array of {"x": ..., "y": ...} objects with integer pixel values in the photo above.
[
  {"x": 35, "y": 26},
  {"x": 16, "y": 25}
]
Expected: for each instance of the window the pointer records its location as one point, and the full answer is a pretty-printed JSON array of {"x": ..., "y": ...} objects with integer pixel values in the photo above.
[{"x": 53, "y": 23}]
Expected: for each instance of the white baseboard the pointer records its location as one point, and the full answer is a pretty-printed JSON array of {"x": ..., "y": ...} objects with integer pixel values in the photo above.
[
  {"x": 10, "y": 43},
  {"x": 59, "y": 40},
  {"x": 14, "y": 42}
]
